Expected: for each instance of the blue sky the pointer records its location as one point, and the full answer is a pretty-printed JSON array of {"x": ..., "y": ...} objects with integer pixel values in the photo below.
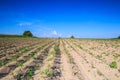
[{"x": 53, "y": 18}]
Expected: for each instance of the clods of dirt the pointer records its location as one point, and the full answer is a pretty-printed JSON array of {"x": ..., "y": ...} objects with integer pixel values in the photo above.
[{"x": 4, "y": 71}]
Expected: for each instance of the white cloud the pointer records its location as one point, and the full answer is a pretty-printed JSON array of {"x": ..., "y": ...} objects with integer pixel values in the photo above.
[
  {"x": 56, "y": 34},
  {"x": 60, "y": 35},
  {"x": 25, "y": 24}
]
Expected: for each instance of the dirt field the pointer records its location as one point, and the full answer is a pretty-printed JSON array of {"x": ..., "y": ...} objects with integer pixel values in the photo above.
[{"x": 59, "y": 59}]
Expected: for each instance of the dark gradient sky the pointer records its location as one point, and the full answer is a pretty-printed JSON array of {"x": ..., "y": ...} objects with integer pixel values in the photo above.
[{"x": 53, "y": 18}]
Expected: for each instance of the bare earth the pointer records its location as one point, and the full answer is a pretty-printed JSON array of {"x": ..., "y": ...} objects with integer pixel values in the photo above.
[{"x": 60, "y": 59}]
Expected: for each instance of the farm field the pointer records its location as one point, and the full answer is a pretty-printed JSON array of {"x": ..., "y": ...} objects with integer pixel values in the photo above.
[{"x": 59, "y": 59}]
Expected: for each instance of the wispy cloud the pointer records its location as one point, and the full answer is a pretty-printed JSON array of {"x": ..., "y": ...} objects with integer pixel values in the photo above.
[
  {"x": 56, "y": 34},
  {"x": 39, "y": 29},
  {"x": 25, "y": 24}
]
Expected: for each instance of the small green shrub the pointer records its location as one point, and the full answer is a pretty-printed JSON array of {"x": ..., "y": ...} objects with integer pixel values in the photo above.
[
  {"x": 56, "y": 48},
  {"x": 99, "y": 56},
  {"x": 116, "y": 55},
  {"x": 20, "y": 64},
  {"x": 3, "y": 63},
  {"x": 30, "y": 73},
  {"x": 14, "y": 58},
  {"x": 50, "y": 74},
  {"x": 50, "y": 59},
  {"x": 99, "y": 73},
  {"x": 113, "y": 64},
  {"x": 18, "y": 76},
  {"x": 81, "y": 47}
]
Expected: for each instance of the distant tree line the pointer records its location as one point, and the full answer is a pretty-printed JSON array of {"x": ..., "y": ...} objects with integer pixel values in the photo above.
[
  {"x": 7, "y": 35},
  {"x": 25, "y": 34}
]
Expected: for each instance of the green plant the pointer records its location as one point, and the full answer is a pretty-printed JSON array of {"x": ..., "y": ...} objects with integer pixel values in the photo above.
[
  {"x": 18, "y": 76},
  {"x": 27, "y": 49},
  {"x": 113, "y": 64},
  {"x": 3, "y": 63},
  {"x": 50, "y": 74},
  {"x": 32, "y": 55},
  {"x": 80, "y": 47},
  {"x": 51, "y": 58},
  {"x": 56, "y": 48},
  {"x": 99, "y": 73},
  {"x": 47, "y": 72},
  {"x": 107, "y": 54},
  {"x": 20, "y": 64},
  {"x": 116, "y": 55},
  {"x": 30, "y": 72},
  {"x": 99, "y": 56},
  {"x": 14, "y": 58},
  {"x": 39, "y": 48}
]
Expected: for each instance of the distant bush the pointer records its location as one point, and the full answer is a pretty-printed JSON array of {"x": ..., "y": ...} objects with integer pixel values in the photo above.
[
  {"x": 118, "y": 37},
  {"x": 59, "y": 37},
  {"x": 27, "y": 34},
  {"x": 72, "y": 37}
]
